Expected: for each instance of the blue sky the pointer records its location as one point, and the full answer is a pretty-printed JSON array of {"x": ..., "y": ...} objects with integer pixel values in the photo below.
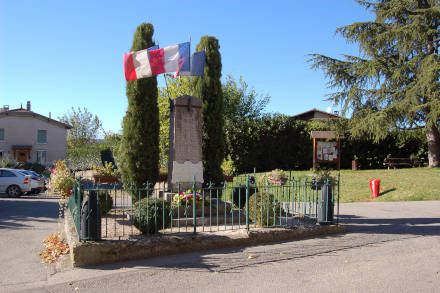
[{"x": 63, "y": 54}]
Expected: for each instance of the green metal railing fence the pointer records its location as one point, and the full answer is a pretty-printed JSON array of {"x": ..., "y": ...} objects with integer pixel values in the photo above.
[{"x": 246, "y": 203}]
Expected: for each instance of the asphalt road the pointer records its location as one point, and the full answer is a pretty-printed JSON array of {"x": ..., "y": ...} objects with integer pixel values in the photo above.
[
  {"x": 389, "y": 247},
  {"x": 24, "y": 223}
]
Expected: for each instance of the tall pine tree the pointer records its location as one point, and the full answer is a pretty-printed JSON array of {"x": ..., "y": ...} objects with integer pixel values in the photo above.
[
  {"x": 212, "y": 111},
  {"x": 139, "y": 148},
  {"x": 394, "y": 83}
]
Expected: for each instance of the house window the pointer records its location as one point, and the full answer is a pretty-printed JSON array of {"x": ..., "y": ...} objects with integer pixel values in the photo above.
[
  {"x": 41, "y": 157},
  {"x": 2, "y": 134},
  {"x": 1, "y": 155},
  {"x": 42, "y": 136}
]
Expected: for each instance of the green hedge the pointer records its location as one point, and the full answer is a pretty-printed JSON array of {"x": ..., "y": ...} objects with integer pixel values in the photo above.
[
  {"x": 267, "y": 143},
  {"x": 278, "y": 141}
]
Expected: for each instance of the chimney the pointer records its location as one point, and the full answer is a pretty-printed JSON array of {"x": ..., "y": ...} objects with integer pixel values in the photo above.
[
  {"x": 50, "y": 115},
  {"x": 28, "y": 105}
]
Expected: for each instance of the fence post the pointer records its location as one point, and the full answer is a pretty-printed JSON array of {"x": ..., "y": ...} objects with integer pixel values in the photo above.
[
  {"x": 78, "y": 208},
  {"x": 194, "y": 205},
  {"x": 339, "y": 179},
  {"x": 247, "y": 202}
]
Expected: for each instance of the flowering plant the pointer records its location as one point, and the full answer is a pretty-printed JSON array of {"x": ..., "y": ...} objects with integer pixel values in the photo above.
[
  {"x": 187, "y": 198},
  {"x": 61, "y": 180}
]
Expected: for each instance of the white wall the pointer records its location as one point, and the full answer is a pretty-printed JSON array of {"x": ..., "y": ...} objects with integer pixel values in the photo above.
[{"x": 20, "y": 130}]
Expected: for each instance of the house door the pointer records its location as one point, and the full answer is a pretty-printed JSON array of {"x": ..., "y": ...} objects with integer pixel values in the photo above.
[{"x": 22, "y": 155}]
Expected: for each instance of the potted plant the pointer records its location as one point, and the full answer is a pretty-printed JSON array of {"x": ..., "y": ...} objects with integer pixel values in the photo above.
[
  {"x": 228, "y": 169},
  {"x": 322, "y": 176},
  {"x": 354, "y": 163},
  {"x": 61, "y": 180},
  {"x": 163, "y": 174},
  {"x": 278, "y": 176},
  {"x": 106, "y": 174}
]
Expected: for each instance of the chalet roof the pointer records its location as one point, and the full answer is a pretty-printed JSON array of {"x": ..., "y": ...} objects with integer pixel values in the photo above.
[
  {"x": 310, "y": 113},
  {"x": 325, "y": 134},
  {"x": 20, "y": 112}
]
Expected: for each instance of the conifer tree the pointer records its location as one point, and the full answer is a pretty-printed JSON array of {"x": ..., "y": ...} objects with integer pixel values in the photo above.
[
  {"x": 139, "y": 148},
  {"x": 212, "y": 111},
  {"x": 394, "y": 82}
]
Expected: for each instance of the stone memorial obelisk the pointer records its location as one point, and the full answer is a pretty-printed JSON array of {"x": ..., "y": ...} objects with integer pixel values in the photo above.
[{"x": 185, "y": 145}]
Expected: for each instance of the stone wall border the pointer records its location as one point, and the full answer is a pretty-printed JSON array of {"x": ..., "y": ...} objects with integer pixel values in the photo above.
[{"x": 88, "y": 253}]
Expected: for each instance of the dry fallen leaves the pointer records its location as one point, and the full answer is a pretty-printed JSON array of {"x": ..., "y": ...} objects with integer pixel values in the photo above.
[{"x": 55, "y": 247}]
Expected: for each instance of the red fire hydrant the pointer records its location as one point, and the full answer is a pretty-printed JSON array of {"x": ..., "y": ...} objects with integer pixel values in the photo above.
[{"x": 375, "y": 187}]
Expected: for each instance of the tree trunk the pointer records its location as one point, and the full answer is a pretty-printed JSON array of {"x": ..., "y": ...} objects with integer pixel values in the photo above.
[{"x": 433, "y": 137}]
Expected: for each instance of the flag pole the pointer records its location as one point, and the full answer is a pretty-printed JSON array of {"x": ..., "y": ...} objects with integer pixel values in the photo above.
[
  {"x": 166, "y": 81},
  {"x": 168, "y": 93},
  {"x": 189, "y": 78}
]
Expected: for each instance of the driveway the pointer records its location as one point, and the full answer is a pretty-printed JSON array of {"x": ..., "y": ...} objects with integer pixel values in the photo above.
[{"x": 24, "y": 223}]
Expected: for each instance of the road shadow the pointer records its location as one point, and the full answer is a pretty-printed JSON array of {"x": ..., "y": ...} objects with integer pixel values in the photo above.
[
  {"x": 361, "y": 232},
  {"x": 233, "y": 259},
  {"x": 15, "y": 213},
  {"x": 409, "y": 226}
]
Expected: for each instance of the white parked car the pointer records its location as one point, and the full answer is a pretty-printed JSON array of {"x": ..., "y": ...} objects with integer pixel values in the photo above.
[
  {"x": 37, "y": 181},
  {"x": 13, "y": 182}
]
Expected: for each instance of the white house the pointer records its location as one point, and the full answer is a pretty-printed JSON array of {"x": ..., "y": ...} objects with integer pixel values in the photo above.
[{"x": 26, "y": 136}]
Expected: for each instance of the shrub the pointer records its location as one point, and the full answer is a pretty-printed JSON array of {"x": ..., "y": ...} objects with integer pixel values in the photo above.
[
  {"x": 263, "y": 209},
  {"x": 228, "y": 167},
  {"x": 144, "y": 215},
  {"x": 6, "y": 162},
  {"x": 84, "y": 157},
  {"x": 36, "y": 167},
  {"x": 107, "y": 170},
  {"x": 61, "y": 180},
  {"x": 105, "y": 202}
]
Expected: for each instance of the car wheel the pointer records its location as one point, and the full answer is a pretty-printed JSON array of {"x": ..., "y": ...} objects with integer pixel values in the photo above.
[{"x": 14, "y": 191}]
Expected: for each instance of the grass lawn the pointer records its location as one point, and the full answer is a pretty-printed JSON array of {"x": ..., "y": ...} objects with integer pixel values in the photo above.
[
  {"x": 396, "y": 184},
  {"x": 405, "y": 184}
]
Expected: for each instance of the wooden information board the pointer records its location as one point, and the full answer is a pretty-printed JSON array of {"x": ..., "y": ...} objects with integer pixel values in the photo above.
[{"x": 326, "y": 149}]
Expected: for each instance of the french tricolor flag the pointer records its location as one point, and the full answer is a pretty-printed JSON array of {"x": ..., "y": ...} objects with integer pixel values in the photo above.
[{"x": 154, "y": 61}]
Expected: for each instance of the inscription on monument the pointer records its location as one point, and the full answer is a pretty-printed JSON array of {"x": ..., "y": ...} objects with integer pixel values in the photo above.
[{"x": 185, "y": 154}]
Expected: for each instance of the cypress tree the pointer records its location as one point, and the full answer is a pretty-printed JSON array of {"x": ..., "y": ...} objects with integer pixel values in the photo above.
[
  {"x": 394, "y": 83},
  {"x": 212, "y": 110},
  {"x": 139, "y": 148}
]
